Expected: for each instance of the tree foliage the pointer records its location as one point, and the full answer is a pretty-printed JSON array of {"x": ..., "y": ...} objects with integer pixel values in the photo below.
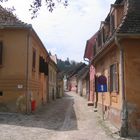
[
  {"x": 3, "y": 0},
  {"x": 66, "y": 65},
  {"x": 36, "y": 5}
]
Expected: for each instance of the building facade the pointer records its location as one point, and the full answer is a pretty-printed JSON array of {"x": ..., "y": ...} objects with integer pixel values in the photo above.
[
  {"x": 60, "y": 85},
  {"x": 72, "y": 82},
  {"x": 116, "y": 56},
  {"x": 23, "y": 66},
  {"x": 88, "y": 56},
  {"x": 52, "y": 79},
  {"x": 83, "y": 82}
]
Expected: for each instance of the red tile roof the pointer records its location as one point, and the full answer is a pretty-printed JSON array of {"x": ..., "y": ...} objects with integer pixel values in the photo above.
[
  {"x": 131, "y": 21},
  {"x": 8, "y": 19},
  {"x": 89, "y": 50}
]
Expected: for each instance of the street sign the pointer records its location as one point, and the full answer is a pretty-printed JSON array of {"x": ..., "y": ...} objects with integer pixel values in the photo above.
[
  {"x": 102, "y": 88},
  {"x": 102, "y": 80},
  {"x": 102, "y": 84}
]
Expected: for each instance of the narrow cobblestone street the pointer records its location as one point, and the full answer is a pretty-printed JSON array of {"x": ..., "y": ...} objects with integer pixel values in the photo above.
[{"x": 68, "y": 118}]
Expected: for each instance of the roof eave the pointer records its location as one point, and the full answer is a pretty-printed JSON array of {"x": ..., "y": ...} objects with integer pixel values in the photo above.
[
  {"x": 128, "y": 35},
  {"x": 104, "y": 50},
  {"x": 28, "y": 26}
]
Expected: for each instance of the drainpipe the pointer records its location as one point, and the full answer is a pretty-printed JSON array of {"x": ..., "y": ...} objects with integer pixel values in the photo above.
[
  {"x": 124, "y": 112},
  {"x": 27, "y": 75}
]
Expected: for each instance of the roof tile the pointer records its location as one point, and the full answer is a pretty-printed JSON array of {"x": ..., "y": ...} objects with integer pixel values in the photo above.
[
  {"x": 9, "y": 19},
  {"x": 131, "y": 22}
]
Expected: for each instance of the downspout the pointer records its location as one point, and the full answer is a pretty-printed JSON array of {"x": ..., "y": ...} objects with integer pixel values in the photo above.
[
  {"x": 89, "y": 79},
  {"x": 27, "y": 75},
  {"x": 124, "y": 112}
]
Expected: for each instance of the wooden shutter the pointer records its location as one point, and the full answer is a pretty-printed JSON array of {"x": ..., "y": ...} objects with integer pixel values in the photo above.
[
  {"x": 1, "y": 47},
  {"x": 117, "y": 77},
  {"x": 41, "y": 64}
]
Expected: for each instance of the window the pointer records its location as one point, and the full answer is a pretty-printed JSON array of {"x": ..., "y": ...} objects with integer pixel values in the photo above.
[
  {"x": 94, "y": 49},
  {"x": 112, "y": 23},
  {"x": 34, "y": 59},
  {"x": 114, "y": 85},
  {"x": 103, "y": 35},
  {"x": 1, "y": 47},
  {"x": 46, "y": 68},
  {"x": 106, "y": 31},
  {"x": 99, "y": 39},
  {"x": 43, "y": 66},
  {"x": 1, "y": 93}
]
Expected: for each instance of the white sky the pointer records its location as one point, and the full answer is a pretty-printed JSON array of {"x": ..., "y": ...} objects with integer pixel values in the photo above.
[{"x": 65, "y": 31}]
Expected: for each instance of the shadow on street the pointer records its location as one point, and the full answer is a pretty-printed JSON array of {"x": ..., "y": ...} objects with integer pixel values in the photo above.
[{"x": 58, "y": 115}]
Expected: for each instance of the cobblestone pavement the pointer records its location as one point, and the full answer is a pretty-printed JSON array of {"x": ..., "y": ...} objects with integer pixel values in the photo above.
[{"x": 68, "y": 118}]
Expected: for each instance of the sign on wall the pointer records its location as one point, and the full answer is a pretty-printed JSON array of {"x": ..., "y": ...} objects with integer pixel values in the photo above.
[{"x": 102, "y": 84}]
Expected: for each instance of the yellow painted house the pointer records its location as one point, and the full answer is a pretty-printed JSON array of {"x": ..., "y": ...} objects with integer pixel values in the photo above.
[
  {"x": 52, "y": 94},
  {"x": 60, "y": 84},
  {"x": 116, "y": 56},
  {"x": 23, "y": 66}
]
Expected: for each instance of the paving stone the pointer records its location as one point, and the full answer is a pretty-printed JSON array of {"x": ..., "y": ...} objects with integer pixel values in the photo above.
[{"x": 68, "y": 118}]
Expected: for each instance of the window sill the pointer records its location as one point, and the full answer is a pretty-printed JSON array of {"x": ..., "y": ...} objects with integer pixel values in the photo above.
[{"x": 114, "y": 93}]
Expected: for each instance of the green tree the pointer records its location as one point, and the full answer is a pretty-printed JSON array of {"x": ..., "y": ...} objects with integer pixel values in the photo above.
[
  {"x": 36, "y": 5},
  {"x": 67, "y": 62}
]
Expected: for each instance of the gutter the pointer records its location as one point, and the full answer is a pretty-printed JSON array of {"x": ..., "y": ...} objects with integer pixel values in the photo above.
[
  {"x": 129, "y": 35},
  {"x": 124, "y": 111}
]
